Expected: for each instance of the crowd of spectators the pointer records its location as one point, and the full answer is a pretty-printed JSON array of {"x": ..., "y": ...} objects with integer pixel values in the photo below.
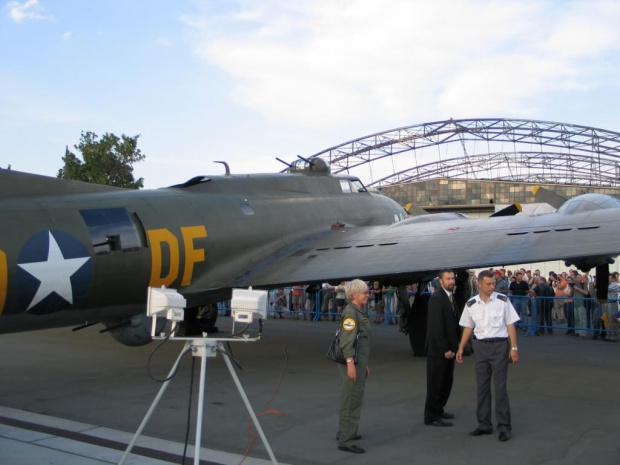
[
  {"x": 565, "y": 301},
  {"x": 326, "y": 302}
]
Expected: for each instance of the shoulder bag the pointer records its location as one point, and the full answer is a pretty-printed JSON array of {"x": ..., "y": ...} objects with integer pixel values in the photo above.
[{"x": 334, "y": 353}]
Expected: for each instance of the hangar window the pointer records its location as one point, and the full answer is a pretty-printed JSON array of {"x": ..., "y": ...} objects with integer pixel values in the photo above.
[{"x": 111, "y": 229}]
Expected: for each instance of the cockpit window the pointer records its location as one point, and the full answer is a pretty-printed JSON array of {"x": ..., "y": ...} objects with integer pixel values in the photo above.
[
  {"x": 352, "y": 186},
  {"x": 589, "y": 202},
  {"x": 357, "y": 186}
]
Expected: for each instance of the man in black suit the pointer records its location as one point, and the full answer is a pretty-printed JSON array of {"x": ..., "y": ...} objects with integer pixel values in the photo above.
[{"x": 442, "y": 341}]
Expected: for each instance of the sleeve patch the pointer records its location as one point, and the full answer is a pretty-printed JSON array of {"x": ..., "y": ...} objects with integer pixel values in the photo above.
[
  {"x": 502, "y": 297},
  {"x": 349, "y": 324}
]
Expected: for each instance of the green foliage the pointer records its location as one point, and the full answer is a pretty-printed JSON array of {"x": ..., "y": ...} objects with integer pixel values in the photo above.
[{"x": 106, "y": 161}]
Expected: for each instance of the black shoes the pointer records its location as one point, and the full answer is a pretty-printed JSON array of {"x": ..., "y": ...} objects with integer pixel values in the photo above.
[
  {"x": 354, "y": 449},
  {"x": 503, "y": 436},
  {"x": 355, "y": 438},
  {"x": 438, "y": 423},
  {"x": 480, "y": 432},
  {"x": 447, "y": 416}
]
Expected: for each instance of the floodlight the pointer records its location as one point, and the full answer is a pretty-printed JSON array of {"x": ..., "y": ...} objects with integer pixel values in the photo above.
[
  {"x": 163, "y": 302},
  {"x": 246, "y": 303}
]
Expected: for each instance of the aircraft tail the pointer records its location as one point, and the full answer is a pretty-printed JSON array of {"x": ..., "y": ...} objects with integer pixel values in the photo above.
[
  {"x": 543, "y": 195},
  {"x": 18, "y": 184}
]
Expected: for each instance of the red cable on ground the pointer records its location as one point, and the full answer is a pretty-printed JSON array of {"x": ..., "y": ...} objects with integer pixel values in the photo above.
[{"x": 267, "y": 410}]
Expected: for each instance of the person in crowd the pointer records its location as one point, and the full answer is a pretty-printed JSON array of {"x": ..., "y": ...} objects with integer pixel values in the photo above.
[
  {"x": 611, "y": 307},
  {"x": 279, "y": 303},
  {"x": 589, "y": 304},
  {"x": 298, "y": 301},
  {"x": 491, "y": 317},
  {"x": 329, "y": 298},
  {"x": 311, "y": 292},
  {"x": 442, "y": 340},
  {"x": 501, "y": 285},
  {"x": 340, "y": 300},
  {"x": 595, "y": 311},
  {"x": 355, "y": 341},
  {"x": 569, "y": 305},
  {"x": 558, "y": 287},
  {"x": 544, "y": 295},
  {"x": 389, "y": 294},
  {"x": 580, "y": 293},
  {"x": 473, "y": 282},
  {"x": 412, "y": 290},
  {"x": 518, "y": 291},
  {"x": 376, "y": 295}
]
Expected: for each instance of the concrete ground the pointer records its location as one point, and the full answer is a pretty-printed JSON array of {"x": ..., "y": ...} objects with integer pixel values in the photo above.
[{"x": 563, "y": 395}]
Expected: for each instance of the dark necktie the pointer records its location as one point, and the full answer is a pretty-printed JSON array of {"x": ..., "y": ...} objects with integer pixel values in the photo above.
[{"x": 451, "y": 297}]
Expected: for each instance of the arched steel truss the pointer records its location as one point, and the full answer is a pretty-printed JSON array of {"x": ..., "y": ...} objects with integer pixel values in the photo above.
[{"x": 497, "y": 149}]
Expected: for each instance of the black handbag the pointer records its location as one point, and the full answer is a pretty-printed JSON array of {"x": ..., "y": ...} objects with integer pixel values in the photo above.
[{"x": 334, "y": 353}]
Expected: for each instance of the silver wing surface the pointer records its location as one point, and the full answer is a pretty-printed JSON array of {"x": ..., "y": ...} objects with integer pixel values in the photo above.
[{"x": 418, "y": 247}]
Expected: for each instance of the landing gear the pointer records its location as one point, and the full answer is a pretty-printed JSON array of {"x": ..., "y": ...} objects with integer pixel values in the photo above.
[
  {"x": 199, "y": 320},
  {"x": 417, "y": 324}
]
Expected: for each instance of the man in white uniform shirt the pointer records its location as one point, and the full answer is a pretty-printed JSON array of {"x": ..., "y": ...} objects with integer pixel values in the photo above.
[{"x": 491, "y": 317}]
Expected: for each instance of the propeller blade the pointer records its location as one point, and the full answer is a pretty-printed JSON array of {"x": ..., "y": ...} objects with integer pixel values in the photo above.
[{"x": 510, "y": 210}]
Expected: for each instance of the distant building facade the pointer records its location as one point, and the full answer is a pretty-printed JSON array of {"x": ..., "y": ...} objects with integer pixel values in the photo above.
[{"x": 478, "y": 197}]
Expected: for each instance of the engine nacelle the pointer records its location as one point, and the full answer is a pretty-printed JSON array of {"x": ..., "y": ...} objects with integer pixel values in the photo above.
[{"x": 137, "y": 332}]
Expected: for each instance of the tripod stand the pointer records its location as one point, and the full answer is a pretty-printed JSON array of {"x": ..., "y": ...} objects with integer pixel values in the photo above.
[{"x": 203, "y": 348}]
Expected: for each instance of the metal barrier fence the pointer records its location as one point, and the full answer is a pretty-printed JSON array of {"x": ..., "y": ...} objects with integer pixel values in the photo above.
[
  {"x": 573, "y": 315},
  {"x": 319, "y": 308}
]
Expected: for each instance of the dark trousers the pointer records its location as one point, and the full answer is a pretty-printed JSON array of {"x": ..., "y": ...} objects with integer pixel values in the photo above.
[
  {"x": 439, "y": 377},
  {"x": 492, "y": 362},
  {"x": 545, "y": 308},
  {"x": 328, "y": 296},
  {"x": 569, "y": 311}
]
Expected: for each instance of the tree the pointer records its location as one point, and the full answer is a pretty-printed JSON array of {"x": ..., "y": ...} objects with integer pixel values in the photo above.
[{"x": 106, "y": 161}]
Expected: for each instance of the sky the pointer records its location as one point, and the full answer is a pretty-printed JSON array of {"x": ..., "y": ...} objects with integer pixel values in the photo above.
[{"x": 248, "y": 81}]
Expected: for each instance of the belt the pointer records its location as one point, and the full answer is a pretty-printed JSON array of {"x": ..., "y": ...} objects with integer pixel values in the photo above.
[{"x": 492, "y": 339}]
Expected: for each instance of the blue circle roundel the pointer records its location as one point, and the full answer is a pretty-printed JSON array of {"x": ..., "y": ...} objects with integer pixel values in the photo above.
[{"x": 54, "y": 271}]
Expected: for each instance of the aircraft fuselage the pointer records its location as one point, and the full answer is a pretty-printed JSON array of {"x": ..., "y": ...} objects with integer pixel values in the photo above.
[{"x": 67, "y": 257}]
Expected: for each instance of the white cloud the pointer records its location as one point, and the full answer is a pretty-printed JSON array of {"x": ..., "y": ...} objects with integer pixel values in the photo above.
[
  {"x": 67, "y": 35},
  {"x": 164, "y": 42},
  {"x": 330, "y": 63},
  {"x": 30, "y": 9}
]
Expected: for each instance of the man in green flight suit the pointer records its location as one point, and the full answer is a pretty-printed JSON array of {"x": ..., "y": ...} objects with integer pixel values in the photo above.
[{"x": 354, "y": 326}]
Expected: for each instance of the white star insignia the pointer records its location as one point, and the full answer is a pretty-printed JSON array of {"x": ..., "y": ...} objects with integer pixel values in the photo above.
[{"x": 54, "y": 273}]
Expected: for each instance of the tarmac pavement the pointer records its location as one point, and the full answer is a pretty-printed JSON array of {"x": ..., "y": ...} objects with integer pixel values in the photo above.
[{"x": 60, "y": 389}]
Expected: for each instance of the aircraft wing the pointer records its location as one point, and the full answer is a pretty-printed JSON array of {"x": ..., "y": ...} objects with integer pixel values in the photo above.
[{"x": 410, "y": 250}]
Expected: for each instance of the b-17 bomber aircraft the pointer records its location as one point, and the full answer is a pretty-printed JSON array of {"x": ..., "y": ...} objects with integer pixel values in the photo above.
[{"x": 78, "y": 254}]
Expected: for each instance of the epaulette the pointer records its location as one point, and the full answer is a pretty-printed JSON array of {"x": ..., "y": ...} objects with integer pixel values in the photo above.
[
  {"x": 502, "y": 297},
  {"x": 471, "y": 302}
]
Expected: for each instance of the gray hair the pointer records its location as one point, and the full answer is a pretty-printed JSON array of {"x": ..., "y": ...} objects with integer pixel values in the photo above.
[{"x": 355, "y": 286}]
